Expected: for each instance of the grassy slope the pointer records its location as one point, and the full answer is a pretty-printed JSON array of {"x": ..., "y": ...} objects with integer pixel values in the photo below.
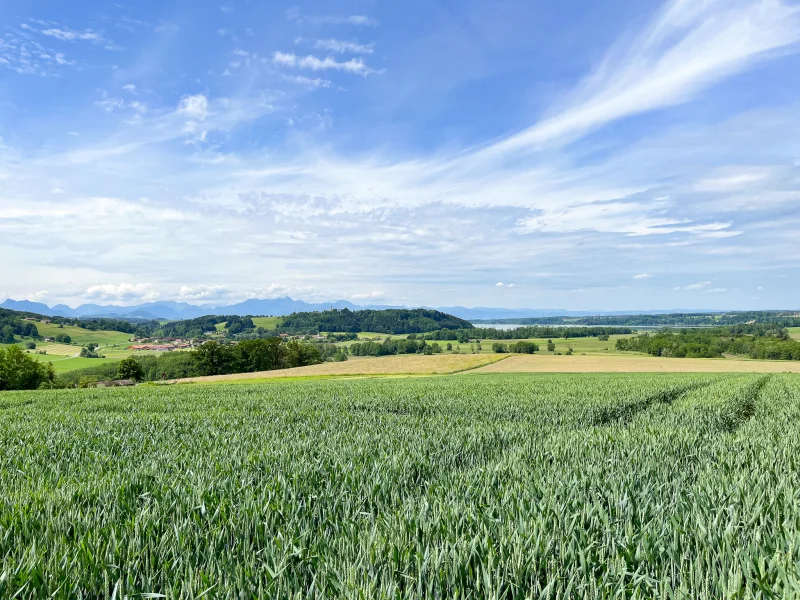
[
  {"x": 82, "y": 336},
  {"x": 795, "y": 333},
  {"x": 267, "y": 322}
]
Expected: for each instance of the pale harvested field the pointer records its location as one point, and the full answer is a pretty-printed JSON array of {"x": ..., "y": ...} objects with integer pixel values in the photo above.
[
  {"x": 408, "y": 364},
  {"x": 635, "y": 364}
]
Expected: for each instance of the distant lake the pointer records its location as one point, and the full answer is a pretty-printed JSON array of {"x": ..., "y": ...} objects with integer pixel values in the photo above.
[{"x": 511, "y": 326}]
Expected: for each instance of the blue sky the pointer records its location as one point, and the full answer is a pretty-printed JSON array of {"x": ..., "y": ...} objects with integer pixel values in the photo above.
[{"x": 581, "y": 155}]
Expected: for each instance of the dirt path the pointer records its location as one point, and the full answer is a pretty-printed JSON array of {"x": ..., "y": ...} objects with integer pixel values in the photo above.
[{"x": 635, "y": 364}]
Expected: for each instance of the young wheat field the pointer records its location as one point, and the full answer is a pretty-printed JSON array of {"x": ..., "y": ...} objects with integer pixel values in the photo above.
[{"x": 466, "y": 486}]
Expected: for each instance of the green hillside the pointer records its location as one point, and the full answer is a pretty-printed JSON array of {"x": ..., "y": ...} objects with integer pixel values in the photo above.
[
  {"x": 395, "y": 321},
  {"x": 83, "y": 336}
]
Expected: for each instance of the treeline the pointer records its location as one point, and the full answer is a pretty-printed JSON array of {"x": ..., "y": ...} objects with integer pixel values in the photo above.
[
  {"x": 209, "y": 359},
  {"x": 12, "y": 323},
  {"x": 753, "y": 341},
  {"x": 522, "y": 333},
  {"x": 188, "y": 328},
  {"x": 390, "y": 347},
  {"x": 391, "y": 321},
  {"x": 780, "y": 318}
]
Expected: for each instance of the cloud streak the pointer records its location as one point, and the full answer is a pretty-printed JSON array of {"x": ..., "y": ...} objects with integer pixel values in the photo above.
[
  {"x": 343, "y": 47},
  {"x": 313, "y": 63},
  {"x": 690, "y": 45}
]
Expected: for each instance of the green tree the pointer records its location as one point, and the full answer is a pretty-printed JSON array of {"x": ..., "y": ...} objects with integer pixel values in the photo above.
[
  {"x": 130, "y": 368},
  {"x": 31, "y": 345},
  {"x": 7, "y": 335},
  {"x": 18, "y": 371},
  {"x": 301, "y": 355},
  {"x": 260, "y": 355},
  {"x": 215, "y": 359},
  {"x": 551, "y": 347}
]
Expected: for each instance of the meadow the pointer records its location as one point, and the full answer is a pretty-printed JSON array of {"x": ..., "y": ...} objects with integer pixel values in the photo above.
[
  {"x": 82, "y": 337},
  {"x": 481, "y": 486},
  {"x": 587, "y": 345},
  {"x": 794, "y": 333},
  {"x": 267, "y": 322}
]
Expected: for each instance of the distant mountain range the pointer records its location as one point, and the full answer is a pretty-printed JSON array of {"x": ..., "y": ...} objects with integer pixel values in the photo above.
[{"x": 286, "y": 306}]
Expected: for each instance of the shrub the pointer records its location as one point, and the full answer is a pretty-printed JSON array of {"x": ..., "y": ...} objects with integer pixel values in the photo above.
[{"x": 523, "y": 348}]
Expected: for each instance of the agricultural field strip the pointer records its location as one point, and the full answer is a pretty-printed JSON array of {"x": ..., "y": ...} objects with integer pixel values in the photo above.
[
  {"x": 405, "y": 364},
  {"x": 635, "y": 486},
  {"x": 636, "y": 364}
]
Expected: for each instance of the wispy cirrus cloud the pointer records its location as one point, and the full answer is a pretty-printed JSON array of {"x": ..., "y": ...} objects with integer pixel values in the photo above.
[
  {"x": 688, "y": 47},
  {"x": 294, "y": 14},
  {"x": 70, "y": 35},
  {"x": 343, "y": 46},
  {"x": 702, "y": 285},
  {"x": 314, "y": 63}
]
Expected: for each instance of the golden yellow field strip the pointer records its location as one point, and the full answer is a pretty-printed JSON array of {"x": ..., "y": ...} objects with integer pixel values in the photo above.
[
  {"x": 409, "y": 364},
  {"x": 57, "y": 349},
  {"x": 635, "y": 364}
]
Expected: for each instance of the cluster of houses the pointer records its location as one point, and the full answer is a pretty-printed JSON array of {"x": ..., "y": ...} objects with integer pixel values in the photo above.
[{"x": 168, "y": 345}]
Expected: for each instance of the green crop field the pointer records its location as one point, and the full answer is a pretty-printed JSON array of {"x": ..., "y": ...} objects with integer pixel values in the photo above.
[
  {"x": 479, "y": 486},
  {"x": 62, "y": 365},
  {"x": 82, "y": 336},
  {"x": 794, "y": 332}
]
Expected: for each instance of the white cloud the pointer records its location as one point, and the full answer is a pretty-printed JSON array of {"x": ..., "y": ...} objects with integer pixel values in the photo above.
[
  {"x": 40, "y": 296},
  {"x": 70, "y": 35},
  {"x": 361, "y": 20},
  {"x": 194, "y": 107},
  {"x": 309, "y": 82},
  {"x": 500, "y": 284},
  {"x": 631, "y": 218},
  {"x": 129, "y": 88},
  {"x": 733, "y": 179},
  {"x": 374, "y": 295},
  {"x": 343, "y": 47},
  {"x": 293, "y": 14},
  {"x": 203, "y": 292},
  {"x": 313, "y": 63},
  {"x": 695, "y": 286},
  {"x": 642, "y": 276},
  {"x": 112, "y": 104},
  {"x": 124, "y": 292}
]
